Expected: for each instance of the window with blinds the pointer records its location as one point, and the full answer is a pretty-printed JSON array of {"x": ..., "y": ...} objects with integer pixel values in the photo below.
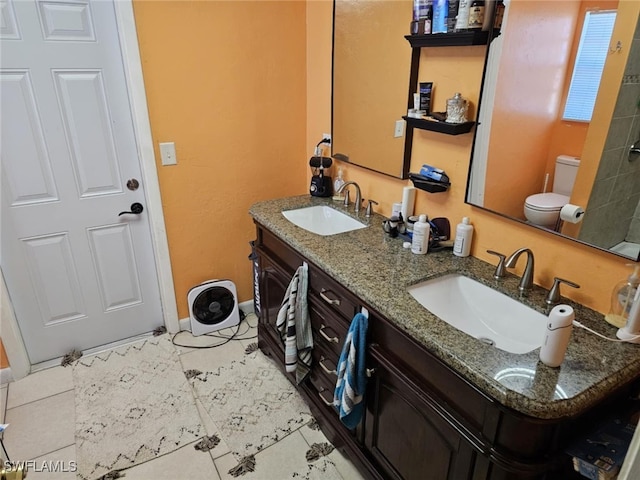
[{"x": 587, "y": 70}]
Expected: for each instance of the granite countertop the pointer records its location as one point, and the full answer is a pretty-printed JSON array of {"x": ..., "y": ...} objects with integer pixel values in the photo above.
[{"x": 378, "y": 269}]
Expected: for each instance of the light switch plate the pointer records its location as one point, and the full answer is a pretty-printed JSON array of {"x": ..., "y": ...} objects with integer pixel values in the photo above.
[
  {"x": 168, "y": 153},
  {"x": 399, "y": 130}
]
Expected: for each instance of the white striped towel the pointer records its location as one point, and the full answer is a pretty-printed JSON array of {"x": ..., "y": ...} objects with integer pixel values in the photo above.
[{"x": 294, "y": 325}]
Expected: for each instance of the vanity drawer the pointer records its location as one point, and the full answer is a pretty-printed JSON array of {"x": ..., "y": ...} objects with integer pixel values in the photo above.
[
  {"x": 329, "y": 331},
  {"x": 333, "y": 295},
  {"x": 326, "y": 364},
  {"x": 279, "y": 251},
  {"x": 322, "y": 388}
]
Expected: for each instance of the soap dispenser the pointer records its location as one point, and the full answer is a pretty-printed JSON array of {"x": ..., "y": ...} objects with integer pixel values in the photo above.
[
  {"x": 622, "y": 298},
  {"x": 337, "y": 185}
]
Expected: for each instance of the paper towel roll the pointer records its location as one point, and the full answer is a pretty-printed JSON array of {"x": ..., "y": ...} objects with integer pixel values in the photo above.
[
  {"x": 408, "y": 202},
  {"x": 571, "y": 213}
]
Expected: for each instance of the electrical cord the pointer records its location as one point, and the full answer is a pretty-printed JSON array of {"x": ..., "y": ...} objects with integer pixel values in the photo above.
[
  {"x": 234, "y": 336},
  {"x": 578, "y": 324}
]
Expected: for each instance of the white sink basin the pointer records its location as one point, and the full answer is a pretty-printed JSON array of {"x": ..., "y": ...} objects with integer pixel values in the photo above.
[
  {"x": 482, "y": 312},
  {"x": 322, "y": 220}
]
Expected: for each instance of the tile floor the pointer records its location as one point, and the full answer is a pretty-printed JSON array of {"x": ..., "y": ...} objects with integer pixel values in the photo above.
[{"x": 41, "y": 414}]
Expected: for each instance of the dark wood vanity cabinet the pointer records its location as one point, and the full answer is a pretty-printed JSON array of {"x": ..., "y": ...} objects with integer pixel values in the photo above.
[{"x": 423, "y": 420}]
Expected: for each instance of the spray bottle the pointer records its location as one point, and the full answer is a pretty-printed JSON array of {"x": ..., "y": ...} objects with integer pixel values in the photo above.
[
  {"x": 622, "y": 298},
  {"x": 631, "y": 331}
]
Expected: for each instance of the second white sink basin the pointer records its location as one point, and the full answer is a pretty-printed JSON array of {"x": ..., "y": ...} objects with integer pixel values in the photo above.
[
  {"x": 322, "y": 220},
  {"x": 482, "y": 312}
]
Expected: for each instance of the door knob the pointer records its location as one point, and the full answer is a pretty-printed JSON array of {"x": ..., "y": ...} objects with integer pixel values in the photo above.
[{"x": 136, "y": 209}]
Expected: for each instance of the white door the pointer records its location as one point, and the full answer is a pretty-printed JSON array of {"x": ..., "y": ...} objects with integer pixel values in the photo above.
[{"x": 79, "y": 275}]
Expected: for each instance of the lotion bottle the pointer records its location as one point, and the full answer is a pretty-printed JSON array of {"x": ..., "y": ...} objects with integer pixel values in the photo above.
[
  {"x": 420, "y": 239},
  {"x": 464, "y": 233}
]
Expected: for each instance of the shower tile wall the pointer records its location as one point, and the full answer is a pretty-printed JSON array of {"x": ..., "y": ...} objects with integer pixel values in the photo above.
[{"x": 614, "y": 205}]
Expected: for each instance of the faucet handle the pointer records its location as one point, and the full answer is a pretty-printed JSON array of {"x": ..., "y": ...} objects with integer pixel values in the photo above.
[
  {"x": 554, "y": 294},
  {"x": 370, "y": 207},
  {"x": 499, "y": 273}
]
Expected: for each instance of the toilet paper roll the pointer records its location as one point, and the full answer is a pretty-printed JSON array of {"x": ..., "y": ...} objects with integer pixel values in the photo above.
[{"x": 571, "y": 213}]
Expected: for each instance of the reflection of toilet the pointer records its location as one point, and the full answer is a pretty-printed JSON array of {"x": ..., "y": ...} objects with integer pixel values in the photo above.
[{"x": 544, "y": 208}]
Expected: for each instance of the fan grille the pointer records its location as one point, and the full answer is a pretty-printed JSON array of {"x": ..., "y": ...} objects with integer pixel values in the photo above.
[{"x": 213, "y": 305}]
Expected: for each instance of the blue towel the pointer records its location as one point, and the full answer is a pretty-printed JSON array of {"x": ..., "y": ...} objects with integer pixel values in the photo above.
[{"x": 352, "y": 375}]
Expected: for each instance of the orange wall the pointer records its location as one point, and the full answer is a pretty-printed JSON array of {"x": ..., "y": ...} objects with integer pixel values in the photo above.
[
  {"x": 225, "y": 81},
  {"x": 597, "y": 272},
  {"x": 4, "y": 362}
]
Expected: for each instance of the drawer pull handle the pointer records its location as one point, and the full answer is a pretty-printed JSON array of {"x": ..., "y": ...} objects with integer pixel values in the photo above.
[
  {"x": 326, "y": 337},
  {"x": 330, "y": 301},
  {"x": 324, "y": 400},
  {"x": 370, "y": 372},
  {"x": 327, "y": 370}
]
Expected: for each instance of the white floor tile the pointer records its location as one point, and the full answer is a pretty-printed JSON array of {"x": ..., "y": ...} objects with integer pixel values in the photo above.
[
  {"x": 40, "y": 385},
  {"x": 344, "y": 466},
  {"x": 186, "y": 462},
  {"x": 3, "y": 402},
  {"x": 55, "y": 465},
  {"x": 40, "y": 427},
  {"x": 276, "y": 462},
  {"x": 313, "y": 436}
]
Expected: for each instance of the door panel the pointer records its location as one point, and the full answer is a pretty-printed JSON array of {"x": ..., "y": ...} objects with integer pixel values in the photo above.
[
  {"x": 30, "y": 180},
  {"x": 54, "y": 277},
  {"x": 114, "y": 258},
  {"x": 66, "y": 21},
  {"x": 79, "y": 275},
  {"x": 85, "y": 116}
]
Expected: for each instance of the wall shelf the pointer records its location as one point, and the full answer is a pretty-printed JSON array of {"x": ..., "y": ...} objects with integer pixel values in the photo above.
[
  {"x": 428, "y": 185},
  {"x": 440, "y": 127},
  {"x": 456, "y": 39}
]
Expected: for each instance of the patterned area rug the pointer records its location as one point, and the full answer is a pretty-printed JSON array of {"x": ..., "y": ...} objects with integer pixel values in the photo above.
[
  {"x": 251, "y": 402},
  {"x": 121, "y": 398}
]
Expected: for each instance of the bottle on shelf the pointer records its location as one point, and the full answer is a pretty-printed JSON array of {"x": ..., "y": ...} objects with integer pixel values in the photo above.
[
  {"x": 462, "y": 19},
  {"x": 476, "y": 14}
]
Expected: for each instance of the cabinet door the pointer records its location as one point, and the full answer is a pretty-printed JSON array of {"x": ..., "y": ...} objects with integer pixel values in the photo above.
[
  {"x": 407, "y": 433},
  {"x": 273, "y": 286}
]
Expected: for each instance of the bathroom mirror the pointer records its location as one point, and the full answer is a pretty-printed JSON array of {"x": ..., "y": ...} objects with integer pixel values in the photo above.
[
  {"x": 521, "y": 132},
  {"x": 371, "y": 63}
]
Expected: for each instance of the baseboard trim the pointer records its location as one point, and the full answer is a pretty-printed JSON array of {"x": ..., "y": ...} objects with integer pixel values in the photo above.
[{"x": 6, "y": 376}]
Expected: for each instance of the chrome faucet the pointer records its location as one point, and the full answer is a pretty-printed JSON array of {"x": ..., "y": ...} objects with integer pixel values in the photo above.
[
  {"x": 346, "y": 197},
  {"x": 527, "y": 277}
]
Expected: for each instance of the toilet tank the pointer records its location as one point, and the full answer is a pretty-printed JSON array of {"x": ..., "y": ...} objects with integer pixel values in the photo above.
[{"x": 565, "y": 174}]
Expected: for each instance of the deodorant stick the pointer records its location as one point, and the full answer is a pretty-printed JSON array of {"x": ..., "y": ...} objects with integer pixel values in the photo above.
[{"x": 556, "y": 338}]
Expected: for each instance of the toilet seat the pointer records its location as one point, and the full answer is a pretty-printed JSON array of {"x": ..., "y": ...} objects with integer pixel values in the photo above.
[{"x": 546, "y": 202}]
